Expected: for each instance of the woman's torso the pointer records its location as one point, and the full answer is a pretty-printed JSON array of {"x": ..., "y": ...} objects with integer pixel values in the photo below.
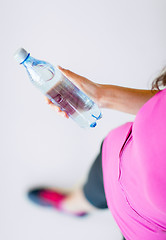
[{"x": 134, "y": 169}]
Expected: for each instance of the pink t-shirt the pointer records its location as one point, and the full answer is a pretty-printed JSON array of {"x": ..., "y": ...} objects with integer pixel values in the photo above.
[{"x": 134, "y": 171}]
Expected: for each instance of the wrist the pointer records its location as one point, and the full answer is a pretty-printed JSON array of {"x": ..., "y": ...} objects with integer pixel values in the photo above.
[
  {"x": 104, "y": 96},
  {"x": 98, "y": 95}
]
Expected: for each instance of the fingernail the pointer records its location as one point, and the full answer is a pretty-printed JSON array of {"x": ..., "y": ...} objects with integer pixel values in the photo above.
[{"x": 60, "y": 67}]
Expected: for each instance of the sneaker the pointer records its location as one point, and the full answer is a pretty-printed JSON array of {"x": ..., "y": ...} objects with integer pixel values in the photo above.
[{"x": 50, "y": 198}]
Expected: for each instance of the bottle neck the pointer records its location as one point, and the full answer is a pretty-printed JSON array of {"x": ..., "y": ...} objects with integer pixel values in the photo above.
[
  {"x": 29, "y": 62},
  {"x": 28, "y": 56}
]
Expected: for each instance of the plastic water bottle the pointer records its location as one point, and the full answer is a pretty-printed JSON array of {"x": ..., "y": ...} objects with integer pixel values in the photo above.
[{"x": 62, "y": 92}]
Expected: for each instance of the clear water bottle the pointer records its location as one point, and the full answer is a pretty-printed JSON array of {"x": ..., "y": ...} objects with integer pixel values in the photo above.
[{"x": 60, "y": 90}]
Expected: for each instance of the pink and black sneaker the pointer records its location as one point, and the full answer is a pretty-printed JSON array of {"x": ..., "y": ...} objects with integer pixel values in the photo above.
[{"x": 50, "y": 198}]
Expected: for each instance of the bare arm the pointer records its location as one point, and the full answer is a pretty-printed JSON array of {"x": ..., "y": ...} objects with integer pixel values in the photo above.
[{"x": 123, "y": 99}]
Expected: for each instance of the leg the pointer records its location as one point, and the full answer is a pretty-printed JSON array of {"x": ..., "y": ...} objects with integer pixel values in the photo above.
[
  {"x": 85, "y": 199},
  {"x": 91, "y": 196},
  {"x": 94, "y": 188}
]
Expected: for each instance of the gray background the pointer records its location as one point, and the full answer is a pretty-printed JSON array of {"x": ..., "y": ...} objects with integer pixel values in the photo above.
[{"x": 121, "y": 42}]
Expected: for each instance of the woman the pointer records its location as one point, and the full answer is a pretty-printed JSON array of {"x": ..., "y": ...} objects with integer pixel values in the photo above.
[{"x": 129, "y": 174}]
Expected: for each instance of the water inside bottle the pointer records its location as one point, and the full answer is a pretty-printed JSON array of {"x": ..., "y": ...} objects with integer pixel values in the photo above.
[
  {"x": 63, "y": 93},
  {"x": 69, "y": 98},
  {"x": 43, "y": 71}
]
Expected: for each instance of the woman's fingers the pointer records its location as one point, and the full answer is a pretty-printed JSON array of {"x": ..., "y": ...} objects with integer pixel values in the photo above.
[
  {"x": 47, "y": 100},
  {"x": 70, "y": 74},
  {"x": 87, "y": 86},
  {"x": 73, "y": 77},
  {"x": 56, "y": 108}
]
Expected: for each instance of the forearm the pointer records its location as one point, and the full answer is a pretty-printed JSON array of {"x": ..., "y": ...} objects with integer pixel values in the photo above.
[{"x": 123, "y": 99}]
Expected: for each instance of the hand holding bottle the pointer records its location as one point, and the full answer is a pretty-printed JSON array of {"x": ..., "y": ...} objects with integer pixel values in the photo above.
[
  {"x": 56, "y": 108},
  {"x": 68, "y": 93},
  {"x": 88, "y": 87}
]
